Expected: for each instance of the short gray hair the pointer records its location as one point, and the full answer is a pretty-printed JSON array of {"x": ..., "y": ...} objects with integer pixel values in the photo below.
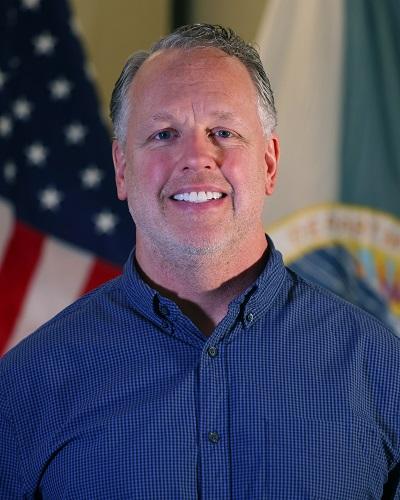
[{"x": 186, "y": 38}]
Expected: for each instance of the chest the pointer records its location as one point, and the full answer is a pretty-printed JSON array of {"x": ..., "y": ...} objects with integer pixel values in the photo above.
[{"x": 233, "y": 423}]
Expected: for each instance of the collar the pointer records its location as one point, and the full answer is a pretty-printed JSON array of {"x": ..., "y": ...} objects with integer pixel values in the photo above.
[{"x": 248, "y": 307}]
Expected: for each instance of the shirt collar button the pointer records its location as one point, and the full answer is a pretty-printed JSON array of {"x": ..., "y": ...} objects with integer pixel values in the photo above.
[
  {"x": 164, "y": 310},
  {"x": 249, "y": 317}
]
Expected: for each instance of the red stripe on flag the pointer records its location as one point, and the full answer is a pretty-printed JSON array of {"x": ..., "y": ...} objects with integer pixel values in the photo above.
[
  {"x": 19, "y": 263},
  {"x": 101, "y": 271}
]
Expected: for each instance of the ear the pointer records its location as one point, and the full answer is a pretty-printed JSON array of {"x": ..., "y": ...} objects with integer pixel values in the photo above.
[
  {"x": 120, "y": 168},
  {"x": 271, "y": 163}
]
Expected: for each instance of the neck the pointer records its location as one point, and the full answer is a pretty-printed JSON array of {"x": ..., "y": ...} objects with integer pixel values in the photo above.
[{"x": 202, "y": 285}]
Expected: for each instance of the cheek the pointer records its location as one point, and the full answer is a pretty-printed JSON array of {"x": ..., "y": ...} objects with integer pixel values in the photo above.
[
  {"x": 148, "y": 174},
  {"x": 247, "y": 174}
]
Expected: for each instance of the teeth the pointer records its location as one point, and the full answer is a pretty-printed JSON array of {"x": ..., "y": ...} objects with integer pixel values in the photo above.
[
  {"x": 197, "y": 197},
  {"x": 202, "y": 196}
]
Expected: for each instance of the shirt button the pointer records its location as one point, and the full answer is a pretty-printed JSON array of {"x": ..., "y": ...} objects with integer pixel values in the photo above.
[
  {"x": 249, "y": 317},
  {"x": 164, "y": 310},
  {"x": 212, "y": 351},
  {"x": 213, "y": 437}
]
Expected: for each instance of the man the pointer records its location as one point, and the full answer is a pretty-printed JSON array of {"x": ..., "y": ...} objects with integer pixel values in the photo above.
[{"x": 207, "y": 370}]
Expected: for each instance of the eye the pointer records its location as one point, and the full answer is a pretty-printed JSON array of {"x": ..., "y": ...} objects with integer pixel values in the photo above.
[
  {"x": 223, "y": 133},
  {"x": 164, "y": 135}
]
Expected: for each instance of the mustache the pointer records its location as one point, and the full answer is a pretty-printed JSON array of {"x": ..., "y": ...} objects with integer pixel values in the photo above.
[{"x": 218, "y": 182}]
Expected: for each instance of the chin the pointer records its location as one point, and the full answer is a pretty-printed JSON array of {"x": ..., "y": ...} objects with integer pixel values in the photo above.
[
  {"x": 184, "y": 241},
  {"x": 195, "y": 246}
]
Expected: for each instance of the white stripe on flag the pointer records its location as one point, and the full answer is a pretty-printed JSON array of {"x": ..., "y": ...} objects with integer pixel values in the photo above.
[
  {"x": 6, "y": 225},
  {"x": 58, "y": 279},
  {"x": 301, "y": 48}
]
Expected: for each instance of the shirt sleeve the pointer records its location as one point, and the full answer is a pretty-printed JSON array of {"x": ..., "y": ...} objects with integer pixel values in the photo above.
[{"x": 10, "y": 462}]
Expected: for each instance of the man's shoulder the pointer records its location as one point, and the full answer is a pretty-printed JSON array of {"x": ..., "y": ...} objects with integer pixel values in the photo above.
[
  {"x": 334, "y": 313},
  {"x": 57, "y": 366},
  {"x": 347, "y": 316},
  {"x": 74, "y": 325}
]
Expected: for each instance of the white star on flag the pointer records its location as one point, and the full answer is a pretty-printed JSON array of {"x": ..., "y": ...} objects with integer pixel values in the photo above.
[
  {"x": 3, "y": 78},
  {"x": 75, "y": 133},
  {"x": 10, "y": 172},
  {"x": 5, "y": 126},
  {"x": 22, "y": 108},
  {"x": 91, "y": 177},
  {"x": 75, "y": 26},
  {"x": 105, "y": 222},
  {"x": 60, "y": 88},
  {"x": 30, "y": 4},
  {"x": 90, "y": 71},
  {"x": 36, "y": 154},
  {"x": 50, "y": 198},
  {"x": 44, "y": 43}
]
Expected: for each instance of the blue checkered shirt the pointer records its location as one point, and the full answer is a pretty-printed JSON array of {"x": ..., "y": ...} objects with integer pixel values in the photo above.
[{"x": 295, "y": 395}]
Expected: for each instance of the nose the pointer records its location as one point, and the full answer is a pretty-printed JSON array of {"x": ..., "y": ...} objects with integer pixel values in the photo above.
[{"x": 199, "y": 151}]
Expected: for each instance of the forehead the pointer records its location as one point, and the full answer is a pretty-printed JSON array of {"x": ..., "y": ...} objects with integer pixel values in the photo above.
[{"x": 174, "y": 70}]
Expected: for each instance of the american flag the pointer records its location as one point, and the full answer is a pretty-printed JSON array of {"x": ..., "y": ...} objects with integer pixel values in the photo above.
[{"x": 62, "y": 229}]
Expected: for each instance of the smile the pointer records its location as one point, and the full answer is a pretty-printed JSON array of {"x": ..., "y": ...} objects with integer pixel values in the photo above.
[{"x": 198, "y": 197}]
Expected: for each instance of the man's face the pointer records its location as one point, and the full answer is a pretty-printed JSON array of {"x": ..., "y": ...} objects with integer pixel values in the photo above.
[{"x": 196, "y": 165}]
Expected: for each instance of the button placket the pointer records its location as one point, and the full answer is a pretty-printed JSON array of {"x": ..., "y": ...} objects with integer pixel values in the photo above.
[
  {"x": 213, "y": 422},
  {"x": 165, "y": 313}
]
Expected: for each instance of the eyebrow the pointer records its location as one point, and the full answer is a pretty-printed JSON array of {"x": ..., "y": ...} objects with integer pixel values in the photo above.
[
  {"x": 224, "y": 115},
  {"x": 165, "y": 116},
  {"x": 161, "y": 116}
]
